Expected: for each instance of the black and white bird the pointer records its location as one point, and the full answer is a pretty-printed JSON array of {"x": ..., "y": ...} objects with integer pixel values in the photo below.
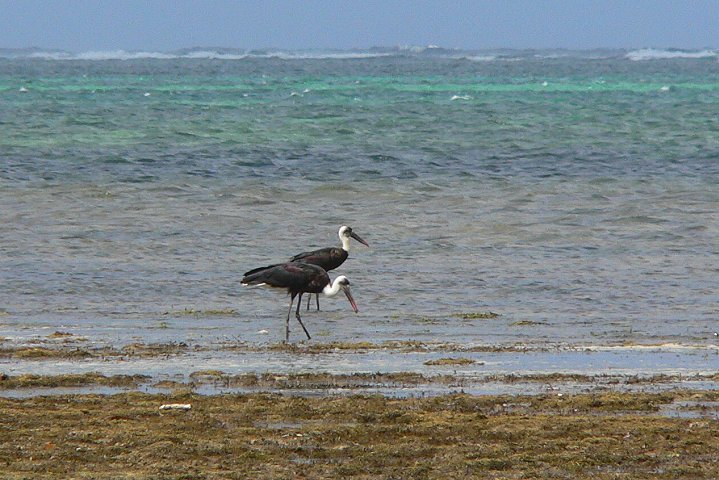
[
  {"x": 331, "y": 257},
  {"x": 299, "y": 278}
]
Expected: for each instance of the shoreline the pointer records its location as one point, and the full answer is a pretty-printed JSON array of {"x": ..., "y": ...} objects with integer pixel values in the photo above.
[{"x": 398, "y": 368}]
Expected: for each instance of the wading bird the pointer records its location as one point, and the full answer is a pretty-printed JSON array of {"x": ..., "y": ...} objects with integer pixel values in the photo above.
[
  {"x": 299, "y": 278},
  {"x": 331, "y": 257}
]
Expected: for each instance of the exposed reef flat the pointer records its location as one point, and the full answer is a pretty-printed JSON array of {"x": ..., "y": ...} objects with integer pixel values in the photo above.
[{"x": 597, "y": 436}]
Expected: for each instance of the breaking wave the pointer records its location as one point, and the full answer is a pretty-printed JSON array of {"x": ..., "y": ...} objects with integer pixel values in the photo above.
[
  {"x": 663, "y": 54},
  {"x": 204, "y": 53},
  {"x": 430, "y": 51}
]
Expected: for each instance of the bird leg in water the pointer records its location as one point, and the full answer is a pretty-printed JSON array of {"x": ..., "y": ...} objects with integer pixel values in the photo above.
[
  {"x": 297, "y": 315},
  {"x": 287, "y": 322},
  {"x": 309, "y": 297}
]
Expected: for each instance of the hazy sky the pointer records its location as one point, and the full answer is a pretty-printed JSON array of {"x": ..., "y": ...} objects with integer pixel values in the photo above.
[{"x": 162, "y": 25}]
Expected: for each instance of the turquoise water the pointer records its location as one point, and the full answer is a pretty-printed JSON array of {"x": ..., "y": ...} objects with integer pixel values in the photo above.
[{"x": 575, "y": 195}]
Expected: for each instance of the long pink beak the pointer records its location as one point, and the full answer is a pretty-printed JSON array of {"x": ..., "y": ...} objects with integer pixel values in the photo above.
[{"x": 349, "y": 297}]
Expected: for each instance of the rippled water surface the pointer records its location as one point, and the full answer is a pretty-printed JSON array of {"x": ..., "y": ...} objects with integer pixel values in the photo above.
[{"x": 574, "y": 196}]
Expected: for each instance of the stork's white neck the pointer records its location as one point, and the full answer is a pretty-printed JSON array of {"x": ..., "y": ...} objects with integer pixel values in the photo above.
[
  {"x": 345, "y": 244},
  {"x": 332, "y": 289}
]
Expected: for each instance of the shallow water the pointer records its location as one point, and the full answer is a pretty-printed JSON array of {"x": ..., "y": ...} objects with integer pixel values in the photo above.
[
  {"x": 629, "y": 369},
  {"x": 575, "y": 196}
]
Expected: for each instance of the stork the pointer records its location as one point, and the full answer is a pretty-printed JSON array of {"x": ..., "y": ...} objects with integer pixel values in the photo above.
[
  {"x": 299, "y": 278},
  {"x": 329, "y": 258}
]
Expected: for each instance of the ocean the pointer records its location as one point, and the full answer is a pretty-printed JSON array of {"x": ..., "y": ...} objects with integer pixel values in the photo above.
[{"x": 573, "y": 194}]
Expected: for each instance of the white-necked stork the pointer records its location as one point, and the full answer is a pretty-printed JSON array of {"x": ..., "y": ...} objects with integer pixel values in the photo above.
[
  {"x": 331, "y": 257},
  {"x": 299, "y": 278}
]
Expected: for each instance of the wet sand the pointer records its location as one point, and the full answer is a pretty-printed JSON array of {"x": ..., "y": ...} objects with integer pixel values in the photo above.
[{"x": 598, "y": 436}]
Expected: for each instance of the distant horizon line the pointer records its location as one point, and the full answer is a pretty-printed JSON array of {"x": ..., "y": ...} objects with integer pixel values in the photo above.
[
  {"x": 409, "y": 48},
  {"x": 426, "y": 53}
]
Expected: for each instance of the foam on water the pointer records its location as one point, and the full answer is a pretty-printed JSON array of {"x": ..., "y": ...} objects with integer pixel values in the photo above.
[
  {"x": 662, "y": 54},
  {"x": 430, "y": 51},
  {"x": 211, "y": 54}
]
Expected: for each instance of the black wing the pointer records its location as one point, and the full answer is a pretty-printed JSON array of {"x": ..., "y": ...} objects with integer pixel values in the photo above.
[
  {"x": 259, "y": 269},
  {"x": 328, "y": 258},
  {"x": 295, "y": 277}
]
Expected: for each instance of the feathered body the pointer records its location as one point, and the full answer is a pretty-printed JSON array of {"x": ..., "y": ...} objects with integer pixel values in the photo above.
[
  {"x": 295, "y": 277},
  {"x": 328, "y": 258}
]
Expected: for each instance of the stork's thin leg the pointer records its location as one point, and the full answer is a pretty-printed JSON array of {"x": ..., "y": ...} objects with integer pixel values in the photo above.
[
  {"x": 287, "y": 322},
  {"x": 309, "y": 298},
  {"x": 297, "y": 315}
]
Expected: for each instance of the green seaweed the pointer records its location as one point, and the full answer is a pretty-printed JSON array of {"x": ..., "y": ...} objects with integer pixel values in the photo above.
[
  {"x": 451, "y": 361},
  {"x": 476, "y": 315},
  {"x": 598, "y": 436}
]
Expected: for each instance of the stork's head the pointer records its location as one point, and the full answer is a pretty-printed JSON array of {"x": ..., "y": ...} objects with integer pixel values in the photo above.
[{"x": 346, "y": 233}]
